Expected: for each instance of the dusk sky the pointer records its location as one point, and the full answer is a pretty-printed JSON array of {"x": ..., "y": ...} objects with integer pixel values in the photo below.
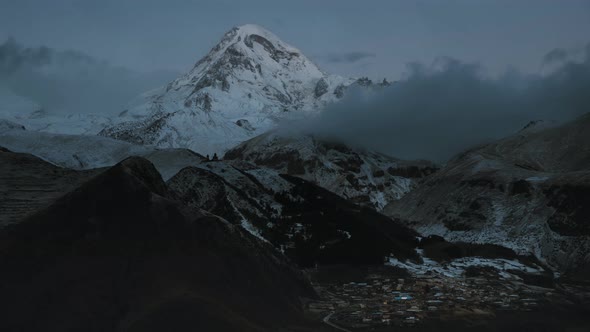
[{"x": 346, "y": 37}]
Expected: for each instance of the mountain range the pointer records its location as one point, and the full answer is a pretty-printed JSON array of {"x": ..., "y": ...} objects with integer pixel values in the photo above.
[{"x": 199, "y": 206}]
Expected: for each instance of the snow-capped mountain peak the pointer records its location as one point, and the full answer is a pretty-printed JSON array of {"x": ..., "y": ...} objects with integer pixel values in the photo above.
[
  {"x": 251, "y": 55},
  {"x": 248, "y": 82},
  {"x": 250, "y": 41}
]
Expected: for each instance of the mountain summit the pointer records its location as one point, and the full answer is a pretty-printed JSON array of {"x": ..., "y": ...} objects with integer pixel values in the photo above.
[{"x": 250, "y": 80}]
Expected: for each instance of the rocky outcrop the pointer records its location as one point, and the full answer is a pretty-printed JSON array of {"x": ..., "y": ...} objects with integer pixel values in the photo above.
[{"x": 321, "y": 88}]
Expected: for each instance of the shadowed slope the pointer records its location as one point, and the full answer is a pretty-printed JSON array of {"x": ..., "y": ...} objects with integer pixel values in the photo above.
[
  {"x": 28, "y": 183},
  {"x": 117, "y": 254}
]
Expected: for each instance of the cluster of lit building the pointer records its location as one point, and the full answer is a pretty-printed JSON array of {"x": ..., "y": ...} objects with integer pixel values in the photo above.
[{"x": 382, "y": 300}]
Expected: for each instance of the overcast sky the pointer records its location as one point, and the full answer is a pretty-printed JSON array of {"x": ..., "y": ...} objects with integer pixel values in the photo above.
[{"x": 347, "y": 37}]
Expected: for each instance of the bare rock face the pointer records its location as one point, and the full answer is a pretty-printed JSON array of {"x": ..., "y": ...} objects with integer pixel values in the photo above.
[
  {"x": 572, "y": 211},
  {"x": 321, "y": 88},
  {"x": 245, "y": 124},
  {"x": 528, "y": 192},
  {"x": 339, "y": 91},
  {"x": 250, "y": 75}
]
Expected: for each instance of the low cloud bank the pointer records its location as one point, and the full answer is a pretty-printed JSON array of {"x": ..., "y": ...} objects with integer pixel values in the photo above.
[
  {"x": 442, "y": 109},
  {"x": 71, "y": 82}
]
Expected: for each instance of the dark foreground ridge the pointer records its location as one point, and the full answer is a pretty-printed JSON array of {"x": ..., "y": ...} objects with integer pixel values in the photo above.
[
  {"x": 215, "y": 249},
  {"x": 117, "y": 254},
  {"x": 28, "y": 183}
]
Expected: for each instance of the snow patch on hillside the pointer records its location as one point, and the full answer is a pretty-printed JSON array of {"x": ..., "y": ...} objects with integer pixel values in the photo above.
[{"x": 456, "y": 268}]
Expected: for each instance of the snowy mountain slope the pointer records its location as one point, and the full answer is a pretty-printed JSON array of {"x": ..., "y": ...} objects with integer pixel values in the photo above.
[
  {"x": 310, "y": 224},
  {"x": 33, "y": 117},
  {"x": 70, "y": 124},
  {"x": 306, "y": 222},
  {"x": 87, "y": 152},
  {"x": 365, "y": 177},
  {"x": 232, "y": 193},
  {"x": 258, "y": 199},
  {"x": 529, "y": 192},
  {"x": 240, "y": 89},
  {"x": 71, "y": 151}
]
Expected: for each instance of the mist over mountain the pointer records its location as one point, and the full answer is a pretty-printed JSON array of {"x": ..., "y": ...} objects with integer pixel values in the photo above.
[
  {"x": 71, "y": 81},
  {"x": 440, "y": 109}
]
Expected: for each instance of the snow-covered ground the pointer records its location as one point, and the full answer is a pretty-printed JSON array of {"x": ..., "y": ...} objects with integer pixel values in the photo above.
[
  {"x": 71, "y": 151},
  {"x": 33, "y": 117},
  {"x": 362, "y": 176},
  {"x": 87, "y": 151},
  {"x": 525, "y": 192},
  {"x": 456, "y": 268}
]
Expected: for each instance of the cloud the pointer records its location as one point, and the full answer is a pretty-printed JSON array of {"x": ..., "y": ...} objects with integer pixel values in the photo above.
[
  {"x": 555, "y": 55},
  {"x": 349, "y": 57},
  {"x": 70, "y": 81},
  {"x": 440, "y": 110}
]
